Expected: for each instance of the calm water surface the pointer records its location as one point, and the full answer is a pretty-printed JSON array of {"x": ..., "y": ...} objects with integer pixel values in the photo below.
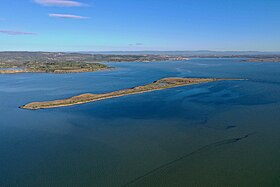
[{"x": 215, "y": 134}]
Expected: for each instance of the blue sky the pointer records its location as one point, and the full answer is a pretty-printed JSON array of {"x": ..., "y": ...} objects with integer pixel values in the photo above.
[{"x": 64, "y": 25}]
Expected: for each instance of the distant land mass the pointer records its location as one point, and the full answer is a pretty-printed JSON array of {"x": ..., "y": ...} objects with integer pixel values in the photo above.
[
  {"x": 197, "y": 53},
  {"x": 87, "y": 61},
  {"x": 264, "y": 59},
  {"x": 62, "y": 62},
  {"x": 251, "y": 56}
]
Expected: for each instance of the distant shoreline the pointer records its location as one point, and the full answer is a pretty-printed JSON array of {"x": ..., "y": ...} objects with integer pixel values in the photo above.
[
  {"x": 54, "y": 72},
  {"x": 263, "y": 60},
  {"x": 161, "y": 84},
  {"x": 59, "y": 63}
]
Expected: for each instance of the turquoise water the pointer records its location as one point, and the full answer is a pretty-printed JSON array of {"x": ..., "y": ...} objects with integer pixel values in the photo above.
[{"x": 215, "y": 134}]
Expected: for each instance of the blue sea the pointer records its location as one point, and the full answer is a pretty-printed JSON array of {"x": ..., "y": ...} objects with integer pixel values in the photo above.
[{"x": 219, "y": 134}]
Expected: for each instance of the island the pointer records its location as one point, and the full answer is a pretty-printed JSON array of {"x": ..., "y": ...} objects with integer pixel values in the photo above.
[
  {"x": 161, "y": 84},
  {"x": 57, "y": 62}
]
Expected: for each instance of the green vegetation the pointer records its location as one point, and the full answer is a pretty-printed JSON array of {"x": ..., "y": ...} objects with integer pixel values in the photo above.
[
  {"x": 6, "y": 65},
  {"x": 53, "y": 67},
  {"x": 64, "y": 67}
]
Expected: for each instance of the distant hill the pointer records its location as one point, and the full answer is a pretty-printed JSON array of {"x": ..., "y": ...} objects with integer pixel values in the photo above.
[{"x": 199, "y": 53}]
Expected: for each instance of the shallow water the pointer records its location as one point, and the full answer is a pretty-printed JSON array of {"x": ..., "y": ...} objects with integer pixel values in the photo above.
[{"x": 216, "y": 134}]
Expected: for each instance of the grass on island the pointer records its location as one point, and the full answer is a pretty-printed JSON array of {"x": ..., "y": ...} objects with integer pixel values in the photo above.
[{"x": 86, "y": 98}]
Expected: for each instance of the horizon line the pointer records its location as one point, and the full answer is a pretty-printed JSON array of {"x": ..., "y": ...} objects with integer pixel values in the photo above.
[{"x": 78, "y": 51}]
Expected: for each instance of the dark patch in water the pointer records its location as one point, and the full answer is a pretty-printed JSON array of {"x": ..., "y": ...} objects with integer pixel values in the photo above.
[
  {"x": 211, "y": 145},
  {"x": 230, "y": 127},
  {"x": 204, "y": 124}
]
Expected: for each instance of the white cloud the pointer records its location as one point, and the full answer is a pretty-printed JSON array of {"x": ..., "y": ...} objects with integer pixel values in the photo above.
[
  {"x": 68, "y": 16},
  {"x": 9, "y": 32},
  {"x": 63, "y": 3},
  {"x": 136, "y": 44}
]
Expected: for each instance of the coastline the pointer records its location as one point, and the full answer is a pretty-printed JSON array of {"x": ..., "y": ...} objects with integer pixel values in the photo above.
[{"x": 55, "y": 72}]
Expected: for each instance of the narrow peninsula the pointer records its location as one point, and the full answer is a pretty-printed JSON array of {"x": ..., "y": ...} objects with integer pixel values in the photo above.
[{"x": 161, "y": 84}]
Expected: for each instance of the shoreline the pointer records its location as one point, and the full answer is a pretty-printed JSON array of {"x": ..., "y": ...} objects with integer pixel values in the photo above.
[
  {"x": 162, "y": 84},
  {"x": 55, "y": 72}
]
